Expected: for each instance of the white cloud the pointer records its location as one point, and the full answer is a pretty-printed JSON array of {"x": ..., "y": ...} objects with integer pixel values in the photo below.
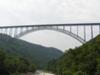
[
  {"x": 13, "y": 12},
  {"x": 48, "y": 11}
]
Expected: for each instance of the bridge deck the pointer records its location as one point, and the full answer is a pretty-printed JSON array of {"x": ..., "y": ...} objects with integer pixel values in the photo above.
[{"x": 37, "y": 25}]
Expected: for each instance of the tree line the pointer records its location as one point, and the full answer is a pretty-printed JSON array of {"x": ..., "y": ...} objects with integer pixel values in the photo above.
[
  {"x": 12, "y": 64},
  {"x": 84, "y": 60}
]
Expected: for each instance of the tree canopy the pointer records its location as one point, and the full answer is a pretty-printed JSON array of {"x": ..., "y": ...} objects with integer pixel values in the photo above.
[{"x": 84, "y": 60}]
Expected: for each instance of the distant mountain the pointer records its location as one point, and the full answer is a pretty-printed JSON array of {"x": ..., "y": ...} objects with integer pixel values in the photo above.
[
  {"x": 84, "y": 60},
  {"x": 38, "y": 54}
]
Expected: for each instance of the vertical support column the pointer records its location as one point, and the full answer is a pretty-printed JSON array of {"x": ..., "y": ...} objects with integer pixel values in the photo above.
[
  {"x": 63, "y": 27},
  {"x": 26, "y": 29},
  {"x": 57, "y": 27},
  {"x": 21, "y": 30},
  {"x": 51, "y": 27},
  {"x": 1, "y": 30},
  {"x": 77, "y": 30},
  {"x": 84, "y": 33},
  {"x": 32, "y": 27},
  {"x": 6, "y": 31},
  {"x": 10, "y": 31},
  {"x": 91, "y": 31},
  {"x": 99, "y": 29},
  {"x": 15, "y": 32},
  {"x": 38, "y": 27},
  {"x": 70, "y": 28}
]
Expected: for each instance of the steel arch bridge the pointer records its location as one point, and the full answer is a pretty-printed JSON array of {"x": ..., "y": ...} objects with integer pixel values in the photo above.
[{"x": 80, "y": 31}]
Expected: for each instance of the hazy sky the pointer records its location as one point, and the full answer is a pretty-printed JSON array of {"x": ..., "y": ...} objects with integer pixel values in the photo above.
[{"x": 17, "y": 12}]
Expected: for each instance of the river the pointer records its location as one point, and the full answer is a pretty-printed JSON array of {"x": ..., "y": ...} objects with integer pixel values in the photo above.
[
  {"x": 39, "y": 73},
  {"x": 42, "y": 73}
]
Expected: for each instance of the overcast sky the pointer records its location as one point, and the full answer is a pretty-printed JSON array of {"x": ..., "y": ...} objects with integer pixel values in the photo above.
[{"x": 17, "y": 12}]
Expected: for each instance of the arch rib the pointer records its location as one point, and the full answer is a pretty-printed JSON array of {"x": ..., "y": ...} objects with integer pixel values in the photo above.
[{"x": 54, "y": 29}]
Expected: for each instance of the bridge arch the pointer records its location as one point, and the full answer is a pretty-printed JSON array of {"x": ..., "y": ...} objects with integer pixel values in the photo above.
[{"x": 54, "y": 29}]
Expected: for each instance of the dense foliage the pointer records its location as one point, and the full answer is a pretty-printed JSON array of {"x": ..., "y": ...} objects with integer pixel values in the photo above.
[
  {"x": 37, "y": 54},
  {"x": 14, "y": 64},
  {"x": 84, "y": 60}
]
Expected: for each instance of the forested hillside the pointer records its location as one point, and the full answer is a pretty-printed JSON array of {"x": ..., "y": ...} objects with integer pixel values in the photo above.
[
  {"x": 13, "y": 65},
  {"x": 84, "y": 60},
  {"x": 37, "y": 54}
]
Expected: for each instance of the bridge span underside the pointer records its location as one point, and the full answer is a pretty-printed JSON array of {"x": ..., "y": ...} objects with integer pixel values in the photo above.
[{"x": 81, "y": 32}]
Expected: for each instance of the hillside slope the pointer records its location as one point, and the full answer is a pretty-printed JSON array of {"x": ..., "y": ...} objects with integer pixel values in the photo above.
[
  {"x": 38, "y": 54},
  {"x": 14, "y": 65},
  {"x": 84, "y": 60}
]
